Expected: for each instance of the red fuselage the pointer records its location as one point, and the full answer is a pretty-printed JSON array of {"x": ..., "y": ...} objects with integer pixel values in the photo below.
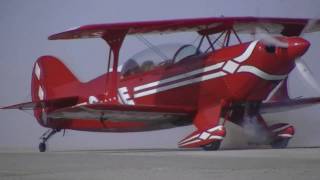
[{"x": 244, "y": 72}]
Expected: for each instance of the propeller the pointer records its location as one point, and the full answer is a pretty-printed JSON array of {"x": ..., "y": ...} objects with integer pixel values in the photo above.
[
  {"x": 310, "y": 24},
  {"x": 302, "y": 67},
  {"x": 307, "y": 74},
  {"x": 268, "y": 39}
]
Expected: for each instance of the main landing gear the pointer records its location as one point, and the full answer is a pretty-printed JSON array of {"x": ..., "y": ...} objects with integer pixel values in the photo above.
[
  {"x": 45, "y": 137},
  {"x": 259, "y": 133},
  {"x": 281, "y": 133}
]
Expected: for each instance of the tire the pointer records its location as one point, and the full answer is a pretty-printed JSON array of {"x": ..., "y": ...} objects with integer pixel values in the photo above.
[
  {"x": 212, "y": 146},
  {"x": 42, "y": 147},
  {"x": 280, "y": 143}
]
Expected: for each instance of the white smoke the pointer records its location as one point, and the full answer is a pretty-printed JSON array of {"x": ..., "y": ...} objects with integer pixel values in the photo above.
[{"x": 255, "y": 131}]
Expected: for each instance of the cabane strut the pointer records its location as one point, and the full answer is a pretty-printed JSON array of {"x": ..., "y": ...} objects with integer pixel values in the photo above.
[{"x": 114, "y": 39}]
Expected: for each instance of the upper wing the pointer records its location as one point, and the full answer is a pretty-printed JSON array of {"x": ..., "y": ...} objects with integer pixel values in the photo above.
[
  {"x": 285, "y": 26},
  {"x": 281, "y": 106},
  {"x": 119, "y": 112}
]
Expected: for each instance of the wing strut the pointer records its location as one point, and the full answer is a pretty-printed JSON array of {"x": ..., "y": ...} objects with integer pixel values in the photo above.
[{"x": 114, "y": 39}]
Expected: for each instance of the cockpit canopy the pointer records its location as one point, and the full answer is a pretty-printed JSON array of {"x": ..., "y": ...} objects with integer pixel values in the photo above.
[{"x": 155, "y": 56}]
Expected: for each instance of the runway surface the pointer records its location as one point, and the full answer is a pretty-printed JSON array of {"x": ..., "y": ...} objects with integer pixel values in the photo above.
[{"x": 162, "y": 164}]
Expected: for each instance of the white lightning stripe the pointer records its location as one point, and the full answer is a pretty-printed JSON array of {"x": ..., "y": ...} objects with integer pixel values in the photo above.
[
  {"x": 215, "y": 128},
  {"x": 181, "y": 76},
  {"x": 179, "y": 84},
  {"x": 189, "y": 139},
  {"x": 198, "y": 140},
  {"x": 261, "y": 74},
  {"x": 191, "y": 142},
  {"x": 204, "y": 135},
  {"x": 121, "y": 101},
  {"x": 40, "y": 93},
  {"x": 285, "y": 135},
  {"x": 216, "y": 137},
  {"x": 37, "y": 71},
  {"x": 247, "y": 53}
]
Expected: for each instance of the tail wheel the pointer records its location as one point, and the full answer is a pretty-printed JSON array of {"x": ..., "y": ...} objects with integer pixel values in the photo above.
[
  {"x": 280, "y": 143},
  {"x": 45, "y": 137},
  {"x": 212, "y": 146},
  {"x": 42, "y": 147}
]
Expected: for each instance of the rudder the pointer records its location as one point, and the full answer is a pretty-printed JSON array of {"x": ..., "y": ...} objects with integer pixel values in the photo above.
[{"x": 51, "y": 79}]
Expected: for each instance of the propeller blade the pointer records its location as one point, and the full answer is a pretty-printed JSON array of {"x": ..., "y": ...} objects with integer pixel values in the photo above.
[
  {"x": 311, "y": 23},
  {"x": 268, "y": 39},
  {"x": 307, "y": 74}
]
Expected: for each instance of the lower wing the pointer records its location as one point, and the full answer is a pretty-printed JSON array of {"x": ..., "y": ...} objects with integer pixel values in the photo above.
[
  {"x": 117, "y": 112},
  {"x": 287, "y": 105}
]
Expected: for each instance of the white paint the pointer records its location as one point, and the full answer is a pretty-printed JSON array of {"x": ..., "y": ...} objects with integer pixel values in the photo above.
[
  {"x": 40, "y": 93},
  {"x": 249, "y": 69},
  {"x": 179, "y": 84},
  {"x": 220, "y": 127},
  {"x": 124, "y": 96},
  {"x": 120, "y": 100},
  {"x": 260, "y": 73},
  {"x": 37, "y": 71},
  {"x": 191, "y": 142},
  {"x": 247, "y": 53},
  {"x": 189, "y": 139},
  {"x": 231, "y": 67},
  {"x": 93, "y": 100},
  {"x": 204, "y": 135},
  {"x": 180, "y": 76},
  {"x": 285, "y": 135},
  {"x": 216, "y": 137}
]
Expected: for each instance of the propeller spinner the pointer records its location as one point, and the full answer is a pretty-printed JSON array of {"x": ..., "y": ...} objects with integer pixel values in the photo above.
[{"x": 296, "y": 46}]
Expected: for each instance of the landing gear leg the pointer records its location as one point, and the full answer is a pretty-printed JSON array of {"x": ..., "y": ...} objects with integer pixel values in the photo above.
[
  {"x": 215, "y": 145},
  {"x": 209, "y": 122},
  {"x": 45, "y": 137}
]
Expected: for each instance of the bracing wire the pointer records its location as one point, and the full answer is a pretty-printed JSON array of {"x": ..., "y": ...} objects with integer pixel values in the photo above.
[{"x": 152, "y": 47}]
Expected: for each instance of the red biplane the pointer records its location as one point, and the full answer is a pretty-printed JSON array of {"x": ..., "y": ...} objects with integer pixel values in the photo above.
[{"x": 204, "y": 85}]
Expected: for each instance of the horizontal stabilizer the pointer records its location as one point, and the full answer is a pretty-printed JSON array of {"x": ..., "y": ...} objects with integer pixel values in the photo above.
[
  {"x": 50, "y": 103},
  {"x": 287, "y": 105}
]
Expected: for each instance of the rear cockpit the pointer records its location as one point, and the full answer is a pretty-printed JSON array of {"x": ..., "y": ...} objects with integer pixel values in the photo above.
[{"x": 156, "y": 56}]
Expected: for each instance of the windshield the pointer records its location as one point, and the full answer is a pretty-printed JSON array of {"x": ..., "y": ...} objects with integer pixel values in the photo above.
[{"x": 155, "y": 56}]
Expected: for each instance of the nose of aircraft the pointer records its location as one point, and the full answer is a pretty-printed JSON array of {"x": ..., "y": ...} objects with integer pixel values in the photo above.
[{"x": 297, "y": 47}]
